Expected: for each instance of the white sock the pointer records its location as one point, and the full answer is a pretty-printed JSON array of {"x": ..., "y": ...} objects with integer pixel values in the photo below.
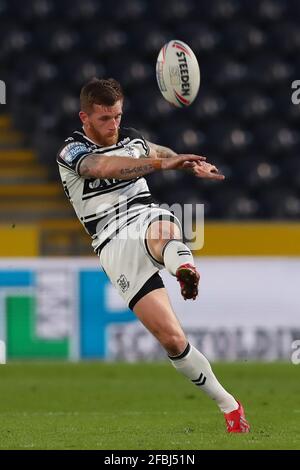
[
  {"x": 175, "y": 253},
  {"x": 196, "y": 367}
]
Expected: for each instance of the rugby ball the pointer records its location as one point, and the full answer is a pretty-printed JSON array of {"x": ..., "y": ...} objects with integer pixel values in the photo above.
[{"x": 178, "y": 73}]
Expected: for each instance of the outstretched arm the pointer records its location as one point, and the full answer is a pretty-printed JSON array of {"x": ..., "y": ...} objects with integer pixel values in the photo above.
[
  {"x": 127, "y": 168},
  {"x": 200, "y": 168}
]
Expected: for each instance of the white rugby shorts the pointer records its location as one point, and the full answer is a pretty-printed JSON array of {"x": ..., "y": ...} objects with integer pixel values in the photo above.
[{"x": 126, "y": 258}]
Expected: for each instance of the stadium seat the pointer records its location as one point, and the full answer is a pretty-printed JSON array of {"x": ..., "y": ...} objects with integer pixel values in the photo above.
[
  {"x": 202, "y": 38},
  {"x": 78, "y": 13},
  {"x": 171, "y": 12},
  {"x": 267, "y": 11},
  {"x": 244, "y": 39},
  {"x": 281, "y": 203},
  {"x": 290, "y": 171},
  {"x": 210, "y": 107},
  {"x": 249, "y": 106},
  {"x": 130, "y": 12},
  {"x": 277, "y": 138},
  {"x": 33, "y": 12},
  {"x": 230, "y": 138},
  {"x": 219, "y": 11}
]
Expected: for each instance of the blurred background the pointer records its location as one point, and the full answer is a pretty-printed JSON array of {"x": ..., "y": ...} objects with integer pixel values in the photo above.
[{"x": 54, "y": 300}]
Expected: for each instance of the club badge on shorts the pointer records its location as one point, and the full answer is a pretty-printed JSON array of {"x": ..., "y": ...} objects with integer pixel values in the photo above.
[{"x": 123, "y": 283}]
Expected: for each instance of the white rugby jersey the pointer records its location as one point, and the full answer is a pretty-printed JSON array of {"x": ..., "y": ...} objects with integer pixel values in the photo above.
[{"x": 104, "y": 206}]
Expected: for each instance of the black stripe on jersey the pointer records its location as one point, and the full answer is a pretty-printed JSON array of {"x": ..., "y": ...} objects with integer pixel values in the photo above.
[
  {"x": 66, "y": 191},
  {"x": 146, "y": 203},
  {"x": 80, "y": 161},
  {"x": 106, "y": 150},
  {"x": 140, "y": 141},
  {"x": 83, "y": 135},
  {"x": 65, "y": 166},
  {"x": 109, "y": 190},
  {"x": 137, "y": 197},
  {"x": 118, "y": 146},
  {"x": 101, "y": 246},
  {"x": 85, "y": 138},
  {"x": 91, "y": 225}
]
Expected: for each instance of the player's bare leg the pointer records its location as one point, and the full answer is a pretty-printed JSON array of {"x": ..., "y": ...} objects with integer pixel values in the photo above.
[
  {"x": 155, "y": 312},
  {"x": 165, "y": 245}
]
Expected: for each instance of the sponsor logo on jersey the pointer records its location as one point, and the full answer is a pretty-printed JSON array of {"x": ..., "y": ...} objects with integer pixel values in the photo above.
[
  {"x": 95, "y": 184},
  {"x": 71, "y": 151}
]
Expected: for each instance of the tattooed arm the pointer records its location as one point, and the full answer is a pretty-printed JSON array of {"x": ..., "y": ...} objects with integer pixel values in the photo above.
[
  {"x": 127, "y": 168},
  {"x": 158, "y": 151}
]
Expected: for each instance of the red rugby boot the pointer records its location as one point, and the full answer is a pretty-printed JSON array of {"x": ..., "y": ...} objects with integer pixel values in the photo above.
[
  {"x": 188, "y": 278},
  {"x": 236, "y": 420}
]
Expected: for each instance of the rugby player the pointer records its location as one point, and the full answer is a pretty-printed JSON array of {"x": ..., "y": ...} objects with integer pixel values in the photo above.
[{"x": 102, "y": 167}]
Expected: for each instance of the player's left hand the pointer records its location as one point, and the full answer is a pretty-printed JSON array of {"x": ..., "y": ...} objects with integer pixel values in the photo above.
[{"x": 203, "y": 169}]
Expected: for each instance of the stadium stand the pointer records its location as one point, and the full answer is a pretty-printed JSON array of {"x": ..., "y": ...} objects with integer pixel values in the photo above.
[
  {"x": 243, "y": 118},
  {"x": 28, "y": 195}
]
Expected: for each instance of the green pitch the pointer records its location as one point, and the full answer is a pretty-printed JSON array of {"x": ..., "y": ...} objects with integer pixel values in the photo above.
[{"x": 143, "y": 406}]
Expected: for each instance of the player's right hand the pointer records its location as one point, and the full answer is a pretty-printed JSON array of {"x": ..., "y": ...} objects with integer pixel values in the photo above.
[
  {"x": 177, "y": 162},
  {"x": 203, "y": 170}
]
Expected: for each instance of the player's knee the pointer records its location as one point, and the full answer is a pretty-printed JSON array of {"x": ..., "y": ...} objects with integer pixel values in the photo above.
[
  {"x": 160, "y": 233},
  {"x": 157, "y": 247},
  {"x": 174, "y": 343}
]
